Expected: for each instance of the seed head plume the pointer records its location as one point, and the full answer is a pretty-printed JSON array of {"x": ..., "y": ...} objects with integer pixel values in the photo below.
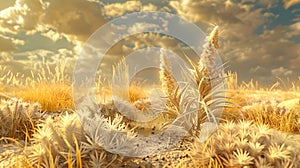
[
  {"x": 165, "y": 75},
  {"x": 169, "y": 85},
  {"x": 207, "y": 63},
  {"x": 214, "y": 37},
  {"x": 209, "y": 50}
]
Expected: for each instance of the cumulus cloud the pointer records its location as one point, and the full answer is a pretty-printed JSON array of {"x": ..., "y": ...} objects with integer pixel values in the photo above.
[
  {"x": 6, "y": 45},
  {"x": 213, "y": 11},
  {"x": 6, "y": 4},
  {"x": 74, "y": 17},
  {"x": 289, "y": 3},
  {"x": 118, "y": 9},
  {"x": 24, "y": 15},
  {"x": 296, "y": 26},
  {"x": 141, "y": 26},
  {"x": 248, "y": 51},
  {"x": 252, "y": 47},
  {"x": 256, "y": 69},
  {"x": 294, "y": 62},
  {"x": 9, "y": 43},
  {"x": 5, "y": 56},
  {"x": 52, "y": 35},
  {"x": 267, "y": 3},
  {"x": 281, "y": 71}
]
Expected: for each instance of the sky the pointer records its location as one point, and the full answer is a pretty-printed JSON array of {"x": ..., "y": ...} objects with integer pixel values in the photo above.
[{"x": 260, "y": 39}]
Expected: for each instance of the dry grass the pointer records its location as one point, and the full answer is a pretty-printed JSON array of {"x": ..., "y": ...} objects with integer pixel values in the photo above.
[
  {"x": 260, "y": 105},
  {"x": 137, "y": 92},
  {"x": 255, "y": 133},
  {"x": 52, "y": 97},
  {"x": 246, "y": 144},
  {"x": 273, "y": 116},
  {"x": 261, "y": 113},
  {"x": 50, "y": 86},
  {"x": 18, "y": 119}
]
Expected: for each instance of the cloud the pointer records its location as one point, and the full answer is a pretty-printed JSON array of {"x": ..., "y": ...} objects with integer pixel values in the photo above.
[
  {"x": 118, "y": 9},
  {"x": 6, "y": 4},
  {"x": 5, "y": 56},
  {"x": 296, "y": 26},
  {"x": 248, "y": 51},
  {"x": 24, "y": 15},
  {"x": 76, "y": 18},
  {"x": 281, "y": 71},
  {"x": 211, "y": 11},
  {"x": 257, "y": 69},
  {"x": 149, "y": 7},
  {"x": 252, "y": 47},
  {"x": 289, "y": 3},
  {"x": 6, "y": 45},
  {"x": 52, "y": 34},
  {"x": 141, "y": 26},
  {"x": 294, "y": 62},
  {"x": 267, "y": 3}
]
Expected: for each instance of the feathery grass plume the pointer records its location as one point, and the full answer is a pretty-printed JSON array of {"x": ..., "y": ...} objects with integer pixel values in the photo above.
[
  {"x": 43, "y": 150},
  {"x": 214, "y": 37},
  {"x": 165, "y": 75},
  {"x": 246, "y": 144},
  {"x": 207, "y": 60},
  {"x": 210, "y": 80},
  {"x": 206, "y": 68},
  {"x": 209, "y": 76},
  {"x": 169, "y": 85}
]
